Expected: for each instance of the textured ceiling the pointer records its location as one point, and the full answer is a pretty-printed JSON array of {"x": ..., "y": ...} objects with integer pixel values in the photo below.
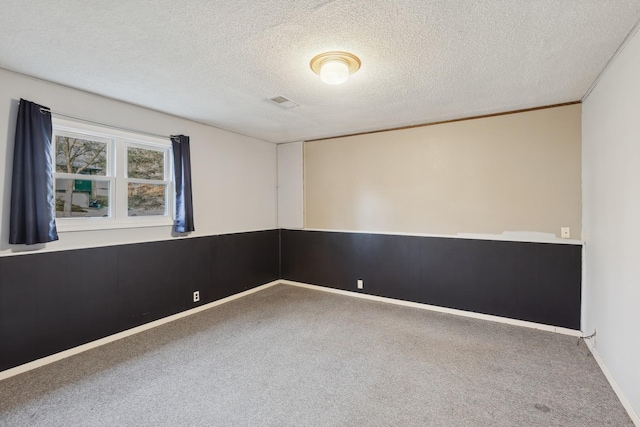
[{"x": 218, "y": 62}]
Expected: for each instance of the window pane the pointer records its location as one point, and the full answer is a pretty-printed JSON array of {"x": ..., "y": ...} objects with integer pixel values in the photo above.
[
  {"x": 81, "y": 198},
  {"x": 145, "y": 164},
  {"x": 146, "y": 199},
  {"x": 83, "y": 156}
]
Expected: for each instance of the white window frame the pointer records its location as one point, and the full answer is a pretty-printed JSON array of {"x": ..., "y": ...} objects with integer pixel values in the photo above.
[{"x": 116, "y": 174}]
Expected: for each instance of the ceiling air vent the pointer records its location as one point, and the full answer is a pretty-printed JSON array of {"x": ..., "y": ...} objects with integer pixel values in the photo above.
[{"x": 283, "y": 102}]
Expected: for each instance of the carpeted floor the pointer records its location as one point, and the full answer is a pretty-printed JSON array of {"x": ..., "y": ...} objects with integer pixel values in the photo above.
[{"x": 289, "y": 356}]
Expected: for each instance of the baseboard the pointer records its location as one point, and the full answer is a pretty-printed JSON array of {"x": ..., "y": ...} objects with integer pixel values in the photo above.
[
  {"x": 614, "y": 385},
  {"x": 111, "y": 338},
  {"x": 463, "y": 313},
  {"x": 77, "y": 350}
]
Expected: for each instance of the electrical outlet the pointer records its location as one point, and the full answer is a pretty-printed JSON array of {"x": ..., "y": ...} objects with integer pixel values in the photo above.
[
  {"x": 196, "y": 296},
  {"x": 360, "y": 284},
  {"x": 565, "y": 232}
]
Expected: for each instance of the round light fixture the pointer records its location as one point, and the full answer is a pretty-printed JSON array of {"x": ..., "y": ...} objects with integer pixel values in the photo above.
[{"x": 335, "y": 68}]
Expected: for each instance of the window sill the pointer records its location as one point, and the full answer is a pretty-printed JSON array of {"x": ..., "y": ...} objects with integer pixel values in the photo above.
[{"x": 95, "y": 224}]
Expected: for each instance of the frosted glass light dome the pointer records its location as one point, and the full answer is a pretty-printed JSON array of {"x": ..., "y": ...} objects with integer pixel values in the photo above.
[
  {"x": 334, "y": 72},
  {"x": 335, "y": 67}
]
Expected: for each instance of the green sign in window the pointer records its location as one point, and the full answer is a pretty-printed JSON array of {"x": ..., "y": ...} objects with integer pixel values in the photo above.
[{"x": 80, "y": 185}]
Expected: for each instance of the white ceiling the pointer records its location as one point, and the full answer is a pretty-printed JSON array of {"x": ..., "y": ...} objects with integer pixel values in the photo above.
[{"x": 218, "y": 62}]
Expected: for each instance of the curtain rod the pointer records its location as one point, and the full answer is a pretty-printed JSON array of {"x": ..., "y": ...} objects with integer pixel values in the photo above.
[{"x": 47, "y": 110}]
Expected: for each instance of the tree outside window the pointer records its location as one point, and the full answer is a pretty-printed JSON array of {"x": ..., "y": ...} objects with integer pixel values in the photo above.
[
  {"x": 80, "y": 195},
  {"x": 89, "y": 185}
]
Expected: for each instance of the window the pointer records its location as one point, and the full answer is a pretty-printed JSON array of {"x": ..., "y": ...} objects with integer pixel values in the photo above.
[{"x": 106, "y": 178}]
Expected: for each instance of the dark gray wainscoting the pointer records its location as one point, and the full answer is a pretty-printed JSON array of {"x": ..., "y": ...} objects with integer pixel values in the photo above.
[
  {"x": 536, "y": 282},
  {"x": 50, "y": 302}
]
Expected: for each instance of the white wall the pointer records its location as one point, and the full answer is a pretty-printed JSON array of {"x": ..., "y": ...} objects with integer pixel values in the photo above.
[
  {"x": 234, "y": 176},
  {"x": 611, "y": 217},
  {"x": 290, "y": 185}
]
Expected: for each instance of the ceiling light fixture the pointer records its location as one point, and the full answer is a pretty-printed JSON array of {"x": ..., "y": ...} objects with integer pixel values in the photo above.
[{"x": 334, "y": 68}]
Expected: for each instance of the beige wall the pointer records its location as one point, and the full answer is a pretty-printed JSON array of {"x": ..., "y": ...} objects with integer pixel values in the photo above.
[{"x": 511, "y": 173}]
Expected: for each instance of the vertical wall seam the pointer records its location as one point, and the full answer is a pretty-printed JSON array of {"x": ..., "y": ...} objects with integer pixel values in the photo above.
[
  {"x": 280, "y": 253},
  {"x": 611, "y": 60}
]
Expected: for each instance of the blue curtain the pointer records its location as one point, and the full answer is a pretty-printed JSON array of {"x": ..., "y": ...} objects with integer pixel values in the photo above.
[
  {"x": 32, "y": 218},
  {"x": 182, "y": 169}
]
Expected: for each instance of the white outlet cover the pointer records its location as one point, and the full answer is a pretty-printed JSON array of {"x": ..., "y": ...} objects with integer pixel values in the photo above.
[
  {"x": 565, "y": 232},
  {"x": 360, "y": 284}
]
